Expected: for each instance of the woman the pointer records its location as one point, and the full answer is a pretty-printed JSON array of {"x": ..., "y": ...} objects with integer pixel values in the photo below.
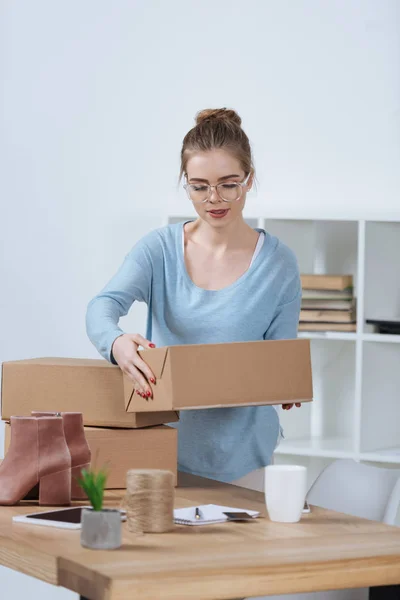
[{"x": 211, "y": 280}]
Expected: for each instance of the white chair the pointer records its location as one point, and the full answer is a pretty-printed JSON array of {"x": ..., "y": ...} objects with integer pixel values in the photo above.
[{"x": 359, "y": 490}]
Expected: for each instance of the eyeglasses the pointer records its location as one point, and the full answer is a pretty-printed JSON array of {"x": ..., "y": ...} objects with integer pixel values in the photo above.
[{"x": 230, "y": 191}]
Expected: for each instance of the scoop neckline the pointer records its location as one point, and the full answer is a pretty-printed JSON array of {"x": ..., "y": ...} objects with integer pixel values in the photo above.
[{"x": 229, "y": 287}]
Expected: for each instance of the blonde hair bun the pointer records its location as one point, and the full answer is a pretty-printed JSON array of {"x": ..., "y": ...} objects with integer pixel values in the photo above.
[
  {"x": 217, "y": 128},
  {"x": 218, "y": 114}
]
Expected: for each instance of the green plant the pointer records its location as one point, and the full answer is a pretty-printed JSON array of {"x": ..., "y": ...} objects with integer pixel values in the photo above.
[{"x": 93, "y": 483}]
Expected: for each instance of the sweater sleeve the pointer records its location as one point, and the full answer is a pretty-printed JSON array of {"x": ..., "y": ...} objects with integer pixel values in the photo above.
[
  {"x": 131, "y": 282},
  {"x": 285, "y": 321}
]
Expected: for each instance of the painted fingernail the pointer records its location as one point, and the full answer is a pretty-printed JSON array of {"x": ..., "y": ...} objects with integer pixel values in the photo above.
[
  {"x": 152, "y": 345},
  {"x": 138, "y": 393},
  {"x": 148, "y": 394},
  {"x": 152, "y": 380}
]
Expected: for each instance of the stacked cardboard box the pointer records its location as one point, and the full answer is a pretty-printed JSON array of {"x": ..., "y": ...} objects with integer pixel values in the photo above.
[
  {"x": 124, "y": 428},
  {"x": 123, "y": 449}
]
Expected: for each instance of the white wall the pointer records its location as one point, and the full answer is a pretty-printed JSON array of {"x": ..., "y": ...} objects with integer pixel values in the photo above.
[{"x": 96, "y": 98}]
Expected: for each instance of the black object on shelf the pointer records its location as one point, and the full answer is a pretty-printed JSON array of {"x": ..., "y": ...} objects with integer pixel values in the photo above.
[{"x": 389, "y": 326}]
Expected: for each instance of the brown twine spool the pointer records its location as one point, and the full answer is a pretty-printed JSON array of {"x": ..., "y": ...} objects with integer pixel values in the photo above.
[{"x": 149, "y": 500}]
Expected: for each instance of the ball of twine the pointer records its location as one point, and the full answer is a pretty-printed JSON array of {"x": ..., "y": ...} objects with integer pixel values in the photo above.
[{"x": 149, "y": 500}]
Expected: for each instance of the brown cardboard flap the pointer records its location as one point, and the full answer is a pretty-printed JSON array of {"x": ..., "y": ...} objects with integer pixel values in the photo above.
[
  {"x": 159, "y": 362},
  {"x": 156, "y": 360},
  {"x": 129, "y": 390}
]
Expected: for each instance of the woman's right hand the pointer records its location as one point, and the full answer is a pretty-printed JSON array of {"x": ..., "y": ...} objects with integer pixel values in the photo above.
[{"x": 125, "y": 352}]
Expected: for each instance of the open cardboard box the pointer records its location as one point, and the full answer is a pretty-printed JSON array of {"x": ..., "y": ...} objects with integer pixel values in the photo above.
[{"x": 218, "y": 375}]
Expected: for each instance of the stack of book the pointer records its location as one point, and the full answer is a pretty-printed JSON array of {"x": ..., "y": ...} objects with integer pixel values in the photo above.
[{"x": 327, "y": 303}]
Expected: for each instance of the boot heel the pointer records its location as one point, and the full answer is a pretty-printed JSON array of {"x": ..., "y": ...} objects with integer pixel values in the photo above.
[
  {"x": 77, "y": 492},
  {"x": 55, "y": 489}
]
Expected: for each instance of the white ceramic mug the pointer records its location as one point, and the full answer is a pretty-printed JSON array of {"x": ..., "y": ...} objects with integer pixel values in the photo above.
[{"x": 285, "y": 492}]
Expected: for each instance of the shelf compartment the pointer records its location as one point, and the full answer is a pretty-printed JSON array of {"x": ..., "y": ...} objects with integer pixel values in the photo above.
[
  {"x": 322, "y": 247},
  {"x": 380, "y": 406},
  {"x": 333, "y": 408},
  {"x": 331, "y": 414},
  {"x": 382, "y": 275}
]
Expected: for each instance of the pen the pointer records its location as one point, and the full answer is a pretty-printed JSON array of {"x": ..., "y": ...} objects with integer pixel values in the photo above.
[{"x": 197, "y": 513}]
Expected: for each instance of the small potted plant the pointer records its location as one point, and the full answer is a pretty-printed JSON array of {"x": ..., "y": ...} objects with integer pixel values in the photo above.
[{"x": 101, "y": 527}]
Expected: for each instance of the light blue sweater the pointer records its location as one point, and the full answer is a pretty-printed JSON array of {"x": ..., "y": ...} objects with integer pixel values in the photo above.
[{"x": 264, "y": 303}]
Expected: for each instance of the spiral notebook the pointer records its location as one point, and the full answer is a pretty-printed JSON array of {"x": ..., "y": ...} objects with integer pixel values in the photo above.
[{"x": 209, "y": 514}]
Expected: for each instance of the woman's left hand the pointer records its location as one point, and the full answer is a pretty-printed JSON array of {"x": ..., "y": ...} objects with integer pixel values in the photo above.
[{"x": 289, "y": 406}]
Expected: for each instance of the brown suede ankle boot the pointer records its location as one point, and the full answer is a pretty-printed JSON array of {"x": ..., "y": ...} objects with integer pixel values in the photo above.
[
  {"x": 38, "y": 454},
  {"x": 77, "y": 445}
]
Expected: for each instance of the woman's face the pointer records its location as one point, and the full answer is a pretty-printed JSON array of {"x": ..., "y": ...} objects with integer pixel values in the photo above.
[{"x": 212, "y": 168}]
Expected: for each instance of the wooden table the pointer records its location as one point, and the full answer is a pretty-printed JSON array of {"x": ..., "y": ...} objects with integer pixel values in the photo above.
[{"x": 326, "y": 550}]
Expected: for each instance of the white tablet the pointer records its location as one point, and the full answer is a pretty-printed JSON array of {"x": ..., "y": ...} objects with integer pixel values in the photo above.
[{"x": 65, "y": 518}]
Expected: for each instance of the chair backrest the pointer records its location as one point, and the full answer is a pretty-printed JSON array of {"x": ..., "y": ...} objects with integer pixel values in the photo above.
[{"x": 359, "y": 490}]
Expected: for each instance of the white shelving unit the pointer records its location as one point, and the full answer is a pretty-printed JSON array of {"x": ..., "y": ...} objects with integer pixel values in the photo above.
[{"x": 356, "y": 376}]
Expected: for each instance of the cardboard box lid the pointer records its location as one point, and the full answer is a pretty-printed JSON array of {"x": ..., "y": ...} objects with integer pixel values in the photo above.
[{"x": 218, "y": 375}]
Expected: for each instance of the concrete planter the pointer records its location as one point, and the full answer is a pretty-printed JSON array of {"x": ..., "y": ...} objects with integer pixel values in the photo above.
[{"x": 101, "y": 530}]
